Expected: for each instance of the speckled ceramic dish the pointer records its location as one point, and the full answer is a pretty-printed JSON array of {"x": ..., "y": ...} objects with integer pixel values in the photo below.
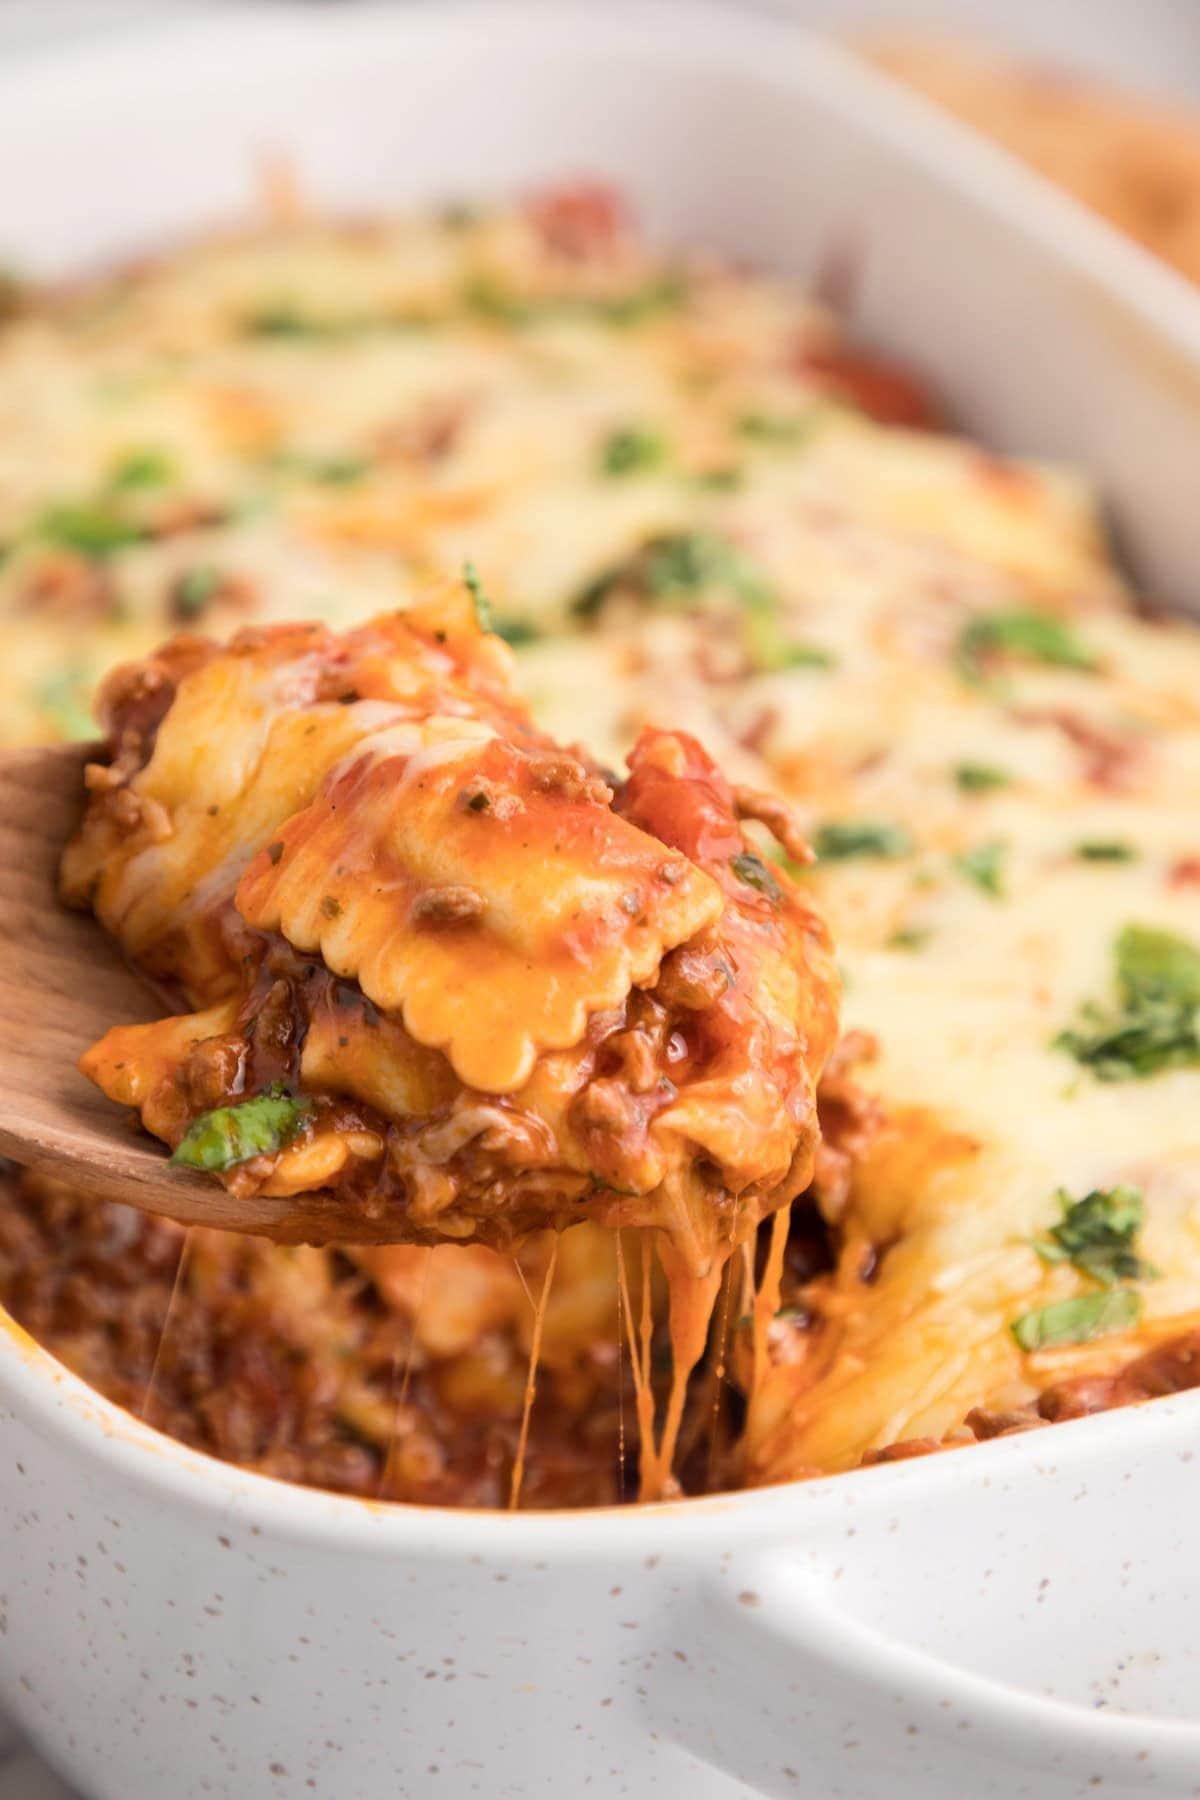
[{"x": 1013, "y": 1620}]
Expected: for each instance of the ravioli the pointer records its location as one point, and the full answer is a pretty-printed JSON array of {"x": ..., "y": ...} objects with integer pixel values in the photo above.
[{"x": 441, "y": 966}]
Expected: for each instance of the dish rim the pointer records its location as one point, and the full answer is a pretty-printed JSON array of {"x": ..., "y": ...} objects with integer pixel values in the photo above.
[{"x": 41, "y": 1389}]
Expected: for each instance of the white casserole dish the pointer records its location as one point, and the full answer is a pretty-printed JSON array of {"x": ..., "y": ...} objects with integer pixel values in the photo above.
[{"x": 1014, "y": 1619}]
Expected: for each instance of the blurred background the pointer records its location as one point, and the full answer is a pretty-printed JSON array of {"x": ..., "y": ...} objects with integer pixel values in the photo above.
[{"x": 1102, "y": 96}]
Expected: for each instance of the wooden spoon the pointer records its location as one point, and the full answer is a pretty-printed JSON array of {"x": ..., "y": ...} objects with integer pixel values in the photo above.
[{"x": 62, "y": 984}]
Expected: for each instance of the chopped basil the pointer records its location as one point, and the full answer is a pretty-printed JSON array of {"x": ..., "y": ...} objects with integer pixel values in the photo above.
[
  {"x": 484, "y": 296},
  {"x": 1105, "y": 850},
  {"x": 662, "y": 293},
  {"x": 782, "y": 429},
  {"x": 676, "y": 569},
  {"x": 1097, "y": 1235},
  {"x": 517, "y": 632},
  {"x": 232, "y": 1134},
  {"x": 632, "y": 450},
  {"x": 1079, "y": 1320},
  {"x": 93, "y": 529},
  {"x": 980, "y": 778},
  {"x": 984, "y": 865},
  {"x": 909, "y": 937},
  {"x": 195, "y": 590},
  {"x": 1024, "y": 634},
  {"x": 754, "y": 872},
  {"x": 488, "y": 298},
  {"x": 142, "y": 469},
  {"x": 283, "y": 319},
  {"x": 480, "y": 601},
  {"x": 770, "y": 650},
  {"x": 839, "y": 839},
  {"x": 1156, "y": 1023},
  {"x": 1155, "y": 964}
]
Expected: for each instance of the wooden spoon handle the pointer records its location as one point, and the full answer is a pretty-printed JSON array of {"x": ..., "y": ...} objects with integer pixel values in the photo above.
[{"x": 62, "y": 984}]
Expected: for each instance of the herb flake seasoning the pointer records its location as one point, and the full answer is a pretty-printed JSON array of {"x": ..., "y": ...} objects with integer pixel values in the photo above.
[{"x": 754, "y": 872}]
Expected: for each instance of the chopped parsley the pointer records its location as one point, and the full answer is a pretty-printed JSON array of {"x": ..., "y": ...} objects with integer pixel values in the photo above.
[
  {"x": 233, "y": 1134},
  {"x": 840, "y": 839},
  {"x": 479, "y": 600},
  {"x": 91, "y": 528},
  {"x": 1155, "y": 1024},
  {"x": 517, "y": 632},
  {"x": 1021, "y": 634},
  {"x": 1105, "y": 850},
  {"x": 142, "y": 469},
  {"x": 662, "y": 293},
  {"x": 195, "y": 591},
  {"x": 783, "y": 430},
  {"x": 632, "y": 450},
  {"x": 984, "y": 865},
  {"x": 1097, "y": 1235},
  {"x": 770, "y": 650},
  {"x": 284, "y": 319},
  {"x": 1079, "y": 1320},
  {"x": 980, "y": 778},
  {"x": 674, "y": 570},
  {"x": 754, "y": 872},
  {"x": 488, "y": 299},
  {"x": 909, "y": 937}
]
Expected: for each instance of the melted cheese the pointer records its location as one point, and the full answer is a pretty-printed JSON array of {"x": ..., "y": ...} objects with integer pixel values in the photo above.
[{"x": 343, "y": 414}]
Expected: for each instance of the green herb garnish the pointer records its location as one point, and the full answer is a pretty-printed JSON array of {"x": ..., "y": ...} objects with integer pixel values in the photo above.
[
  {"x": 232, "y": 1134},
  {"x": 662, "y": 293},
  {"x": 781, "y": 429},
  {"x": 479, "y": 600},
  {"x": 754, "y": 872},
  {"x": 839, "y": 839},
  {"x": 675, "y": 570},
  {"x": 1079, "y": 1320},
  {"x": 984, "y": 865},
  {"x": 142, "y": 469},
  {"x": 195, "y": 590},
  {"x": 1105, "y": 850},
  {"x": 517, "y": 632},
  {"x": 909, "y": 937},
  {"x": 980, "y": 778},
  {"x": 1156, "y": 1022},
  {"x": 632, "y": 450},
  {"x": 1022, "y": 634},
  {"x": 93, "y": 529},
  {"x": 488, "y": 298},
  {"x": 1097, "y": 1235}
]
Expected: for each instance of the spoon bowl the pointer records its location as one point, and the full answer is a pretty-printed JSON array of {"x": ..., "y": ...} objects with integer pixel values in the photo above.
[{"x": 63, "y": 983}]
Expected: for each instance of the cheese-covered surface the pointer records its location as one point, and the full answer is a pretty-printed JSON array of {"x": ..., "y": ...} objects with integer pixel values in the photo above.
[{"x": 694, "y": 508}]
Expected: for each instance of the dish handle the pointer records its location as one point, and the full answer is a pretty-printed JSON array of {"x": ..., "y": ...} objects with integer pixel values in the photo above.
[{"x": 977, "y": 1640}]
